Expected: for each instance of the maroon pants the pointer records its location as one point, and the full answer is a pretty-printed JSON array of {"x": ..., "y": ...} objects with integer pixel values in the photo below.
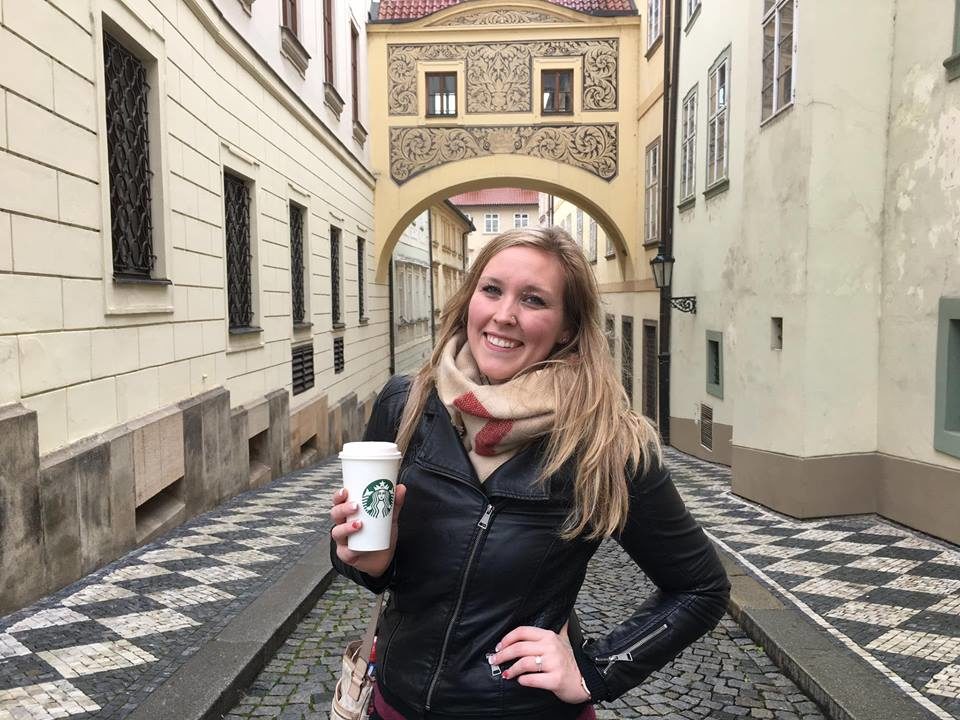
[{"x": 382, "y": 711}]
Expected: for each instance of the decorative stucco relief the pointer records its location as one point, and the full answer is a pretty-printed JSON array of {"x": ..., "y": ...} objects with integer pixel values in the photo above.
[
  {"x": 414, "y": 150},
  {"x": 501, "y": 17},
  {"x": 499, "y": 75}
]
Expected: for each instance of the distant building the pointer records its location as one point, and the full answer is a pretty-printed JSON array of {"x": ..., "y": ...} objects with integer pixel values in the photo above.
[{"x": 495, "y": 210}]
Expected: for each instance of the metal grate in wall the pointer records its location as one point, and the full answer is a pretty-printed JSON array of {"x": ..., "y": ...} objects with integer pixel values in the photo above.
[
  {"x": 302, "y": 366},
  {"x": 361, "y": 284},
  {"x": 128, "y": 160},
  {"x": 338, "y": 362},
  {"x": 706, "y": 426},
  {"x": 649, "y": 371},
  {"x": 335, "y": 305},
  {"x": 626, "y": 355},
  {"x": 236, "y": 200},
  {"x": 296, "y": 264}
]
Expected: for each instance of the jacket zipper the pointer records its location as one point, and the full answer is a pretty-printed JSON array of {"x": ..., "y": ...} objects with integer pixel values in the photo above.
[
  {"x": 483, "y": 523},
  {"x": 627, "y": 654}
]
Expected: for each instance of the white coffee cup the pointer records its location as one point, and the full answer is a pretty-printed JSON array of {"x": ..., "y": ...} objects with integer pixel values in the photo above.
[{"x": 370, "y": 477}]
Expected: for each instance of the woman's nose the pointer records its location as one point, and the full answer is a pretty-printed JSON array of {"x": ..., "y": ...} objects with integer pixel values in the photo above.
[{"x": 506, "y": 314}]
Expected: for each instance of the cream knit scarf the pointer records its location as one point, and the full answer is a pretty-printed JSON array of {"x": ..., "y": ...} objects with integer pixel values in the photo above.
[{"x": 495, "y": 421}]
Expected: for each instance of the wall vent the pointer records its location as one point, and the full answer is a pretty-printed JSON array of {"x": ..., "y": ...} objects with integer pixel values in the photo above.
[
  {"x": 302, "y": 367},
  {"x": 338, "y": 361},
  {"x": 706, "y": 426}
]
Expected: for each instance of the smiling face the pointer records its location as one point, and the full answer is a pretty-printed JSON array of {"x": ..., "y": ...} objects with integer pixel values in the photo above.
[{"x": 516, "y": 315}]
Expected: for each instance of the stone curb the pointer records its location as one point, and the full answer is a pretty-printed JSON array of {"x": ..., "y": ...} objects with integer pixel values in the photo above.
[
  {"x": 209, "y": 684},
  {"x": 843, "y": 684}
]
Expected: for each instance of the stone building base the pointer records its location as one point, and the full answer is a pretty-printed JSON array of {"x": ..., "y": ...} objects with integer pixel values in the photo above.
[{"x": 72, "y": 511}]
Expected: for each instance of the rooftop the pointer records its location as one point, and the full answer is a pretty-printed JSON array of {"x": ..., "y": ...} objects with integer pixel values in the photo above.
[
  {"x": 496, "y": 196},
  {"x": 401, "y": 10}
]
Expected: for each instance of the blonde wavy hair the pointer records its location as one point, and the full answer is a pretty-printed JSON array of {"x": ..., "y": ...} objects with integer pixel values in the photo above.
[{"x": 594, "y": 421}]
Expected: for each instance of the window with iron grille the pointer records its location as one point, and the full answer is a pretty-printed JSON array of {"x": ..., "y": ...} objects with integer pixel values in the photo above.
[
  {"x": 717, "y": 133},
  {"x": 649, "y": 370},
  {"x": 338, "y": 361},
  {"x": 128, "y": 158},
  {"x": 441, "y": 94},
  {"x": 361, "y": 283},
  {"x": 289, "y": 15},
  {"x": 651, "y": 208},
  {"x": 626, "y": 355},
  {"x": 706, "y": 426},
  {"x": 355, "y": 71},
  {"x": 236, "y": 200},
  {"x": 296, "y": 265},
  {"x": 779, "y": 57},
  {"x": 302, "y": 366},
  {"x": 328, "y": 41},
  {"x": 336, "y": 306},
  {"x": 688, "y": 145},
  {"x": 612, "y": 335},
  {"x": 715, "y": 363},
  {"x": 557, "y": 89}
]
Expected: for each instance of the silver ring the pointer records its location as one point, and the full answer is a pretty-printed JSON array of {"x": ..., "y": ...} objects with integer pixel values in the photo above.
[{"x": 538, "y": 659}]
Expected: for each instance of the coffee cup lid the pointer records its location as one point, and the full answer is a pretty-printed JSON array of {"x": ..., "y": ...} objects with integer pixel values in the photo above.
[{"x": 370, "y": 451}]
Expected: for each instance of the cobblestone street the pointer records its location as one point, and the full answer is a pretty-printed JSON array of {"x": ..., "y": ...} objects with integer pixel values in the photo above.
[{"x": 723, "y": 677}]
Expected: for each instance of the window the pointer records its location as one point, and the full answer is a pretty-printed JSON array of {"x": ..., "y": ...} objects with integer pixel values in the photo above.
[
  {"x": 946, "y": 437},
  {"x": 611, "y": 249},
  {"x": 236, "y": 200},
  {"x": 626, "y": 355},
  {"x": 361, "y": 280},
  {"x": 521, "y": 220},
  {"x": 779, "y": 54},
  {"x": 776, "y": 333},
  {"x": 491, "y": 223},
  {"x": 717, "y": 135},
  {"x": 715, "y": 363},
  {"x": 688, "y": 146},
  {"x": 654, "y": 22},
  {"x": 693, "y": 6},
  {"x": 557, "y": 89},
  {"x": 355, "y": 71},
  {"x": 441, "y": 94},
  {"x": 580, "y": 227},
  {"x": 651, "y": 210},
  {"x": 592, "y": 253},
  {"x": 301, "y": 361},
  {"x": 336, "y": 305},
  {"x": 296, "y": 265},
  {"x": 611, "y": 328},
  {"x": 128, "y": 156},
  {"x": 328, "y": 41},
  {"x": 289, "y": 15}
]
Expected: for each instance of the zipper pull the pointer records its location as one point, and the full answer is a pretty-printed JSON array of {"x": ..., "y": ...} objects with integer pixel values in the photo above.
[
  {"x": 622, "y": 656},
  {"x": 485, "y": 520}
]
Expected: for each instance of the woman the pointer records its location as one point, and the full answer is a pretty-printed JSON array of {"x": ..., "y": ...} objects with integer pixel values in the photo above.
[{"x": 516, "y": 435}]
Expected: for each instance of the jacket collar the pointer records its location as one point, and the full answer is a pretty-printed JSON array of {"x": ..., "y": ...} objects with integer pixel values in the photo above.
[{"x": 442, "y": 450}]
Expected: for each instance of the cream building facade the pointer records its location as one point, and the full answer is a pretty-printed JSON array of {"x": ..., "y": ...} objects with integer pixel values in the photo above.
[
  {"x": 818, "y": 207},
  {"x": 412, "y": 309},
  {"x": 493, "y": 211},
  {"x": 189, "y": 307},
  {"x": 449, "y": 229}
]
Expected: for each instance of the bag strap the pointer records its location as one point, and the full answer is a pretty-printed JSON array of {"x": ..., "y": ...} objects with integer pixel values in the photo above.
[{"x": 363, "y": 654}]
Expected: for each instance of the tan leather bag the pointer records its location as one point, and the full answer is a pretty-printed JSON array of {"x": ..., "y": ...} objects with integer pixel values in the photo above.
[{"x": 354, "y": 690}]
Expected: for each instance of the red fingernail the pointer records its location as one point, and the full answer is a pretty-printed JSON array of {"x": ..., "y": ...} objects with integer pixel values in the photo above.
[{"x": 356, "y": 524}]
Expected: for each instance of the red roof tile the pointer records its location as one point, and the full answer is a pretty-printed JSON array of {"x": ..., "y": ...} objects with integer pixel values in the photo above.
[
  {"x": 496, "y": 196},
  {"x": 414, "y": 9}
]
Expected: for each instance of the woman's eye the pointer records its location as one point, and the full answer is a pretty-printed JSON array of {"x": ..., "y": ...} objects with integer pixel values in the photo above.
[
  {"x": 534, "y": 300},
  {"x": 490, "y": 289}
]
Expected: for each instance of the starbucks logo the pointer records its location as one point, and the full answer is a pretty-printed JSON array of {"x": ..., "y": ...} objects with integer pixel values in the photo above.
[{"x": 378, "y": 498}]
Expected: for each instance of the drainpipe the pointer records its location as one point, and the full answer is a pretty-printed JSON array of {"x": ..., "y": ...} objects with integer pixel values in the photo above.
[
  {"x": 671, "y": 67},
  {"x": 433, "y": 322}
]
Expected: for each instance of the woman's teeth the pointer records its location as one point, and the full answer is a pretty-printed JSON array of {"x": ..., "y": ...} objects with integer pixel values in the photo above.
[{"x": 501, "y": 342}]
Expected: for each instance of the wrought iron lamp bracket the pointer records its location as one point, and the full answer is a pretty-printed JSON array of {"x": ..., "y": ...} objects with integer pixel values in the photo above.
[{"x": 686, "y": 303}]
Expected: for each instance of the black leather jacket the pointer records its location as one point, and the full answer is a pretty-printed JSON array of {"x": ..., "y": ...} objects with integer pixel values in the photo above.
[{"x": 475, "y": 561}]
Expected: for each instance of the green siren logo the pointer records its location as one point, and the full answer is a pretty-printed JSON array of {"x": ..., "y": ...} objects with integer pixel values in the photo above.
[{"x": 378, "y": 498}]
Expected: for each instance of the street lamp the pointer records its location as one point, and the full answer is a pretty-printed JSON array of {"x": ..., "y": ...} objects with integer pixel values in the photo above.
[{"x": 663, "y": 277}]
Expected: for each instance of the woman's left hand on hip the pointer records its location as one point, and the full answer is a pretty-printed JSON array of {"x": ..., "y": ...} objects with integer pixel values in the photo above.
[{"x": 556, "y": 670}]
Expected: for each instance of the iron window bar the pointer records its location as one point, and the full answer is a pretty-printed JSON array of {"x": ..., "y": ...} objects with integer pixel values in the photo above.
[
  {"x": 296, "y": 264},
  {"x": 236, "y": 196}
]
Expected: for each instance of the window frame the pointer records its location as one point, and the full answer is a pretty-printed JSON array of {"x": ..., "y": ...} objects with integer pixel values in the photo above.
[
  {"x": 946, "y": 433},
  {"x": 328, "y": 55},
  {"x": 337, "y": 319},
  {"x": 362, "y": 280},
  {"x": 592, "y": 240},
  {"x": 688, "y": 147},
  {"x": 654, "y": 15},
  {"x": 773, "y": 13},
  {"x": 714, "y": 388},
  {"x": 290, "y": 16},
  {"x": 521, "y": 220},
  {"x": 444, "y": 113},
  {"x": 693, "y": 11},
  {"x": 558, "y": 72},
  {"x": 355, "y": 72},
  {"x": 487, "y": 224},
  {"x": 651, "y": 193},
  {"x": 718, "y": 114}
]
